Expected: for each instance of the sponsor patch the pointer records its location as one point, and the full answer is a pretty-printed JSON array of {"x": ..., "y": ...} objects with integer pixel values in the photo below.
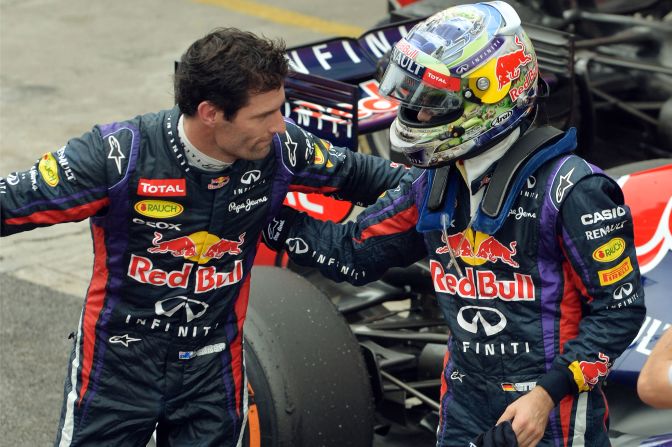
[
  {"x": 160, "y": 209},
  {"x": 218, "y": 182},
  {"x": 168, "y": 187},
  {"x": 520, "y": 387},
  {"x": 587, "y": 374},
  {"x": 615, "y": 274},
  {"x": 48, "y": 168},
  {"x": 610, "y": 251}
]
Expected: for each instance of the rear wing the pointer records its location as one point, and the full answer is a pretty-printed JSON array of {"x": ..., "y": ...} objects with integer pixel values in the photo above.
[{"x": 333, "y": 92}]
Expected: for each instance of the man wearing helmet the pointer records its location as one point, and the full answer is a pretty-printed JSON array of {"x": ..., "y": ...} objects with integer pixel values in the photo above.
[{"x": 528, "y": 245}]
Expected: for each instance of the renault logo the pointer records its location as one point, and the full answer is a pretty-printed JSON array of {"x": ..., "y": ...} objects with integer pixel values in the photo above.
[
  {"x": 169, "y": 306},
  {"x": 492, "y": 320}
]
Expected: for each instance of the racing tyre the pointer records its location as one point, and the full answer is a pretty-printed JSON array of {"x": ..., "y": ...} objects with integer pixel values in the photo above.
[{"x": 308, "y": 382}]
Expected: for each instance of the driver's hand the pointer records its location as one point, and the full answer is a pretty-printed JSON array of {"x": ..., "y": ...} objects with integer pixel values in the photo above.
[{"x": 529, "y": 416}]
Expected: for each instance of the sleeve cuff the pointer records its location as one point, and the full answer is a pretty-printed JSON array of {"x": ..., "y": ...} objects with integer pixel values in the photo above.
[{"x": 558, "y": 382}]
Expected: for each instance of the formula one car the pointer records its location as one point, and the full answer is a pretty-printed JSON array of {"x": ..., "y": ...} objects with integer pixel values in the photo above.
[{"x": 331, "y": 364}]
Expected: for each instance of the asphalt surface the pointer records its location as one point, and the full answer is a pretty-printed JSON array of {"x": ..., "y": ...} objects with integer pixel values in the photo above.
[{"x": 65, "y": 66}]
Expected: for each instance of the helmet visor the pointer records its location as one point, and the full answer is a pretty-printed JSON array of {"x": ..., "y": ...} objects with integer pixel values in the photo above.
[{"x": 418, "y": 87}]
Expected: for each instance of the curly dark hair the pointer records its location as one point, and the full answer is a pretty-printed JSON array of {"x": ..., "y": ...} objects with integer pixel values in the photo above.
[{"x": 225, "y": 67}]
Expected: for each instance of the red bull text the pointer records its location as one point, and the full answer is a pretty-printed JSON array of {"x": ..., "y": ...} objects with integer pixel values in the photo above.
[{"x": 484, "y": 284}]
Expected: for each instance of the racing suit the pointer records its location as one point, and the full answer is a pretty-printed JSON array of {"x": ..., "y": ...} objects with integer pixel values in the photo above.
[
  {"x": 160, "y": 334},
  {"x": 552, "y": 297}
]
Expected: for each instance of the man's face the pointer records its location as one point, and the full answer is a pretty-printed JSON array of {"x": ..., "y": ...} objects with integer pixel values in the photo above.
[{"x": 248, "y": 134}]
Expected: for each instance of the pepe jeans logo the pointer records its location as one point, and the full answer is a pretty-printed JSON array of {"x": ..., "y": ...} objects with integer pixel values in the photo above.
[{"x": 247, "y": 205}]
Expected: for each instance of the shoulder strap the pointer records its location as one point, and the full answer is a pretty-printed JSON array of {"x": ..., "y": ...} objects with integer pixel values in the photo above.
[
  {"x": 512, "y": 171},
  {"x": 509, "y": 166}
]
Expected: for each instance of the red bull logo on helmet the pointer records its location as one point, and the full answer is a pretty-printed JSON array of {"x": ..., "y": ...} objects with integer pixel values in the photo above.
[
  {"x": 508, "y": 66},
  {"x": 476, "y": 248},
  {"x": 198, "y": 247}
]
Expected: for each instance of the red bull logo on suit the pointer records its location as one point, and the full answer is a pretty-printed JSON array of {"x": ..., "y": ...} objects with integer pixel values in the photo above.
[{"x": 476, "y": 248}]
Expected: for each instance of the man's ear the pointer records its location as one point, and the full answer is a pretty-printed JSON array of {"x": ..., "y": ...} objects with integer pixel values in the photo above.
[{"x": 207, "y": 113}]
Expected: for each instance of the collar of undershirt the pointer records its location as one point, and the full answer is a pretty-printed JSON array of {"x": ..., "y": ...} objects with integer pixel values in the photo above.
[{"x": 196, "y": 158}]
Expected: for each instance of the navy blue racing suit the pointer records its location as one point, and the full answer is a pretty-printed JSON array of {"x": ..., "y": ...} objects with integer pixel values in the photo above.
[
  {"x": 160, "y": 334},
  {"x": 551, "y": 298}
]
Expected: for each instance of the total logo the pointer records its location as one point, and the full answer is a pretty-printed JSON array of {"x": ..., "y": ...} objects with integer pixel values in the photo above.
[
  {"x": 483, "y": 285},
  {"x": 476, "y": 248},
  {"x": 167, "y": 187}
]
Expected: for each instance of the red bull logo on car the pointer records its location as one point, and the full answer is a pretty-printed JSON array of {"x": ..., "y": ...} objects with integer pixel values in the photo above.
[
  {"x": 476, "y": 248},
  {"x": 587, "y": 374},
  {"x": 198, "y": 247}
]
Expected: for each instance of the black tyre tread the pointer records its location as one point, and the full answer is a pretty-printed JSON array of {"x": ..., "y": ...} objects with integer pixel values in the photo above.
[{"x": 319, "y": 386}]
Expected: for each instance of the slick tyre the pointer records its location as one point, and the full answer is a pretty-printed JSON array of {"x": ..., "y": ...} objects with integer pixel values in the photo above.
[{"x": 309, "y": 385}]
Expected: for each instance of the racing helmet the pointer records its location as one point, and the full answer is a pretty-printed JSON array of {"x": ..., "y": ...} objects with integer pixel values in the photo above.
[{"x": 464, "y": 78}]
